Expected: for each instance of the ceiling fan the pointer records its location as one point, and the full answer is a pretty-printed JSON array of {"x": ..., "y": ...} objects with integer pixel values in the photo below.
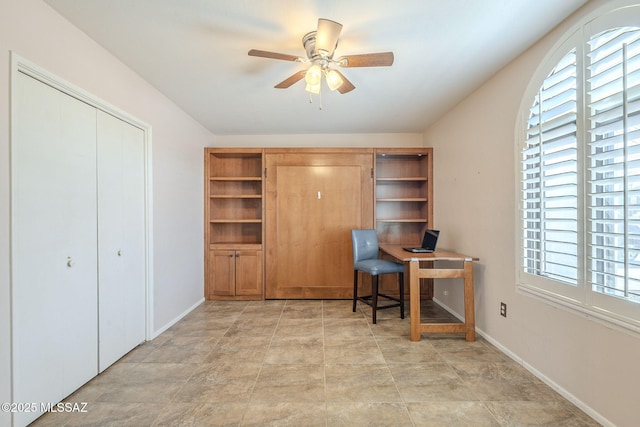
[{"x": 320, "y": 46}]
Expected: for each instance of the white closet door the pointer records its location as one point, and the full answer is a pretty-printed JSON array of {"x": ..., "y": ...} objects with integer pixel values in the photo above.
[
  {"x": 121, "y": 238},
  {"x": 54, "y": 266}
]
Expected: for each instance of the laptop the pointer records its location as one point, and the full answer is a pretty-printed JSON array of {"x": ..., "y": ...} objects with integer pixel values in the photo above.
[{"x": 429, "y": 242}]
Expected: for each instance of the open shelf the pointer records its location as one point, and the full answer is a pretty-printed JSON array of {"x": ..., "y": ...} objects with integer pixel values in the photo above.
[
  {"x": 402, "y": 179},
  {"x": 229, "y": 166},
  {"x": 417, "y": 220},
  {"x": 236, "y": 196},
  {"x": 235, "y": 232}
]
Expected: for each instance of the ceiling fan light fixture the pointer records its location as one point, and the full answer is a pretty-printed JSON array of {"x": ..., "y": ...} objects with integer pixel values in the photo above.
[
  {"x": 313, "y": 75},
  {"x": 313, "y": 88},
  {"x": 327, "y": 37},
  {"x": 334, "y": 81}
]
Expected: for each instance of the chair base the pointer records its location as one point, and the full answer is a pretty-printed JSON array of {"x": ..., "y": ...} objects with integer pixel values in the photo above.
[{"x": 372, "y": 300}]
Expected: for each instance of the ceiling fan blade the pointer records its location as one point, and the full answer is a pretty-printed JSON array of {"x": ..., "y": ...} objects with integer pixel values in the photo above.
[
  {"x": 327, "y": 36},
  {"x": 273, "y": 55},
  {"x": 346, "y": 86},
  {"x": 382, "y": 59},
  {"x": 291, "y": 80}
]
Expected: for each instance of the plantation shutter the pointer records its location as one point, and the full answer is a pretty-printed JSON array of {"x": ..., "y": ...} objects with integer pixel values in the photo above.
[
  {"x": 613, "y": 176},
  {"x": 549, "y": 178}
]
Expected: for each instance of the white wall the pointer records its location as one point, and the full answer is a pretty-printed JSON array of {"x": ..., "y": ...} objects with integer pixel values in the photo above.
[
  {"x": 475, "y": 207},
  {"x": 37, "y": 33},
  {"x": 328, "y": 140}
]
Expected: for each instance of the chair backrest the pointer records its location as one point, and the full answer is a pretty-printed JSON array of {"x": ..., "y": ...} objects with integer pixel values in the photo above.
[{"x": 365, "y": 244}]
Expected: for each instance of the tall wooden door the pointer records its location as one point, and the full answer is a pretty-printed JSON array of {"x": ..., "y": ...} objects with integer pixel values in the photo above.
[
  {"x": 313, "y": 201},
  {"x": 121, "y": 237},
  {"x": 54, "y": 268}
]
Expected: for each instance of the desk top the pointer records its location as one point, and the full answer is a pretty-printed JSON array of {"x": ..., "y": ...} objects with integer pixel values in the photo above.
[{"x": 397, "y": 252}]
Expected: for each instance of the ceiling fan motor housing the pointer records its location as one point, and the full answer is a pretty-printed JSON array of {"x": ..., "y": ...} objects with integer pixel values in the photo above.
[
  {"x": 309, "y": 43},
  {"x": 315, "y": 57}
]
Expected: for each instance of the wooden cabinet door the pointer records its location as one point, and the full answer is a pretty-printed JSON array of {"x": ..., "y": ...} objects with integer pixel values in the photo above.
[
  {"x": 313, "y": 200},
  {"x": 248, "y": 273},
  {"x": 222, "y": 273}
]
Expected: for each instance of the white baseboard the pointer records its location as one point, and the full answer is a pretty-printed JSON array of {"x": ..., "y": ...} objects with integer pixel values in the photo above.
[
  {"x": 548, "y": 381},
  {"x": 176, "y": 319}
]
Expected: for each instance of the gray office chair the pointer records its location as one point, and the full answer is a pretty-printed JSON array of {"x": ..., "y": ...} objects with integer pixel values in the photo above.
[{"x": 365, "y": 259}]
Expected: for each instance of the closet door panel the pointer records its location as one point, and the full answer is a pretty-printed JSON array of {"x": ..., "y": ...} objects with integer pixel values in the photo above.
[
  {"x": 54, "y": 289},
  {"x": 121, "y": 238},
  {"x": 134, "y": 225}
]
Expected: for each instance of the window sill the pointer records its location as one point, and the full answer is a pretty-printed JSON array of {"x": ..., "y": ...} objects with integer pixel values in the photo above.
[{"x": 576, "y": 307}]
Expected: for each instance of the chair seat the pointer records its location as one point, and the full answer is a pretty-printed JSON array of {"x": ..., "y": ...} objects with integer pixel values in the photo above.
[{"x": 375, "y": 267}]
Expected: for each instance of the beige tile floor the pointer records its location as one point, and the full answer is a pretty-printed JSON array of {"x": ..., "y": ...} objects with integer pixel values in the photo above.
[{"x": 313, "y": 363}]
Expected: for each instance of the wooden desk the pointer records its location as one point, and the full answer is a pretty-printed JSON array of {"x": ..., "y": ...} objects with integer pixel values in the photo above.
[{"x": 415, "y": 273}]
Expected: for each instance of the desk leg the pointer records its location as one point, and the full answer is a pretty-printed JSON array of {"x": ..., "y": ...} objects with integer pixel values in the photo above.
[
  {"x": 469, "y": 302},
  {"x": 414, "y": 300}
]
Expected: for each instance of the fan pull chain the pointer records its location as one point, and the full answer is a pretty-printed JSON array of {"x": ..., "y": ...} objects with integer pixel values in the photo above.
[{"x": 319, "y": 98}]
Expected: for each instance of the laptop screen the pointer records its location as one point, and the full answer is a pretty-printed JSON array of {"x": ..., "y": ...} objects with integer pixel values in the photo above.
[{"x": 430, "y": 239}]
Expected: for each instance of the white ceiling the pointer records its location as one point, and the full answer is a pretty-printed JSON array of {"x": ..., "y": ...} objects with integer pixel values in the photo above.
[{"x": 195, "y": 52}]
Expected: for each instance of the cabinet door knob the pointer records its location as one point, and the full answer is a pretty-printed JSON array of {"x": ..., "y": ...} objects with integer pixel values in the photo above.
[
  {"x": 230, "y": 255},
  {"x": 237, "y": 255},
  {"x": 69, "y": 261},
  {"x": 119, "y": 252}
]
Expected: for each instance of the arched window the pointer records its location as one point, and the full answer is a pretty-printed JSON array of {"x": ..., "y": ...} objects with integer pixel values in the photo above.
[{"x": 580, "y": 175}]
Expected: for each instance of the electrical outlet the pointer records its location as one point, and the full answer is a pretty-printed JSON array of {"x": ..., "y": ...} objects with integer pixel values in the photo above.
[{"x": 503, "y": 309}]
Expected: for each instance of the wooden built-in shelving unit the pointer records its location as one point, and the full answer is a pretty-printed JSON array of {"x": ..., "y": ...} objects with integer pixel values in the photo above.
[
  {"x": 233, "y": 223},
  {"x": 404, "y": 202},
  {"x": 403, "y": 194},
  {"x": 236, "y": 200}
]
